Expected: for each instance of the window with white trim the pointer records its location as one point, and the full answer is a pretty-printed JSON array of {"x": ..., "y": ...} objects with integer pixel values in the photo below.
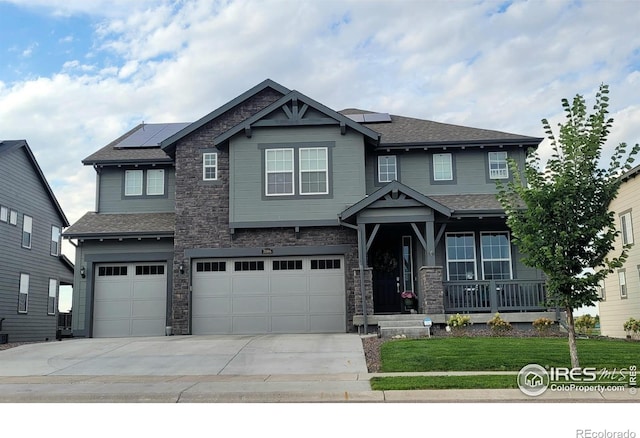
[
  {"x": 27, "y": 228},
  {"x": 495, "y": 249},
  {"x": 13, "y": 217},
  {"x": 53, "y": 293},
  {"x": 279, "y": 172},
  {"x": 622, "y": 280},
  {"x": 626, "y": 227},
  {"x": 498, "y": 166},
  {"x": 133, "y": 182},
  {"x": 314, "y": 171},
  {"x": 442, "y": 167},
  {"x": 461, "y": 256},
  {"x": 23, "y": 295},
  {"x": 4, "y": 214},
  {"x": 210, "y": 166},
  {"x": 387, "y": 168},
  {"x": 55, "y": 240},
  {"x": 155, "y": 182}
]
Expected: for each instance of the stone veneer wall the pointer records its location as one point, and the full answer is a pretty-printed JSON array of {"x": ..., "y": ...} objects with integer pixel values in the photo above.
[
  {"x": 202, "y": 211},
  {"x": 432, "y": 289},
  {"x": 368, "y": 290}
]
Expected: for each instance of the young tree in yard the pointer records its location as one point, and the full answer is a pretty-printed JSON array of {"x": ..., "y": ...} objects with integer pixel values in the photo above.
[{"x": 559, "y": 216}]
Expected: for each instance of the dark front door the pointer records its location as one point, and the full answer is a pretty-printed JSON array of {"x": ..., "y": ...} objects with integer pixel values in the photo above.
[{"x": 386, "y": 281}]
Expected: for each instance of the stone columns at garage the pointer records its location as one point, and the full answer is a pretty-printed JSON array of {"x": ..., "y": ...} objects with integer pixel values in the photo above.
[
  {"x": 432, "y": 290},
  {"x": 368, "y": 290}
]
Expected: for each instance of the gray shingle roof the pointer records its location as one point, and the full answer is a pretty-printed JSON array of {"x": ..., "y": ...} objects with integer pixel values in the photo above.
[
  {"x": 121, "y": 225},
  {"x": 411, "y": 131},
  {"x": 474, "y": 202}
]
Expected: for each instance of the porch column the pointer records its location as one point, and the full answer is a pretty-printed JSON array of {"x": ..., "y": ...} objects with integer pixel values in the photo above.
[
  {"x": 367, "y": 281},
  {"x": 433, "y": 289},
  {"x": 431, "y": 243}
]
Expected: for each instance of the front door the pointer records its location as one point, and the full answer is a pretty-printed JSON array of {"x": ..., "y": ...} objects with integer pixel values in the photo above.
[{"x": 392, "y": 263}]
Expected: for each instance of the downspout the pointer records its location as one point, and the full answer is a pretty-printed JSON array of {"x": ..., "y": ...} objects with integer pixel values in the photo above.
[{"x": 361, "y": 265}]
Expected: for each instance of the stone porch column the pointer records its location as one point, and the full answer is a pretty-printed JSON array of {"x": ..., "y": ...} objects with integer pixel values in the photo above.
[
  {"x": 368, "y": 290},
  {"x": 432, "y": 289}
]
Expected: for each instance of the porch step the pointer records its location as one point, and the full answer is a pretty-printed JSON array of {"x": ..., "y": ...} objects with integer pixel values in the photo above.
[{"x": 409, "y": 328}]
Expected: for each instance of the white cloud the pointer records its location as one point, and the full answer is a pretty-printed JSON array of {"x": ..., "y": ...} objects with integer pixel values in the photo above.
[{"x": 460, "y": 62}]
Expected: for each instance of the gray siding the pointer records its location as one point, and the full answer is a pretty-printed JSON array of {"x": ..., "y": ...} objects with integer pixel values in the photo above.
[
  {"x": 247, "y": 203},
  {"x": 127, "y": 251},
  {"x": 415, "y": 170},
  {"x": 22, "y": 191},
  {"x": 112, "y": 199}
]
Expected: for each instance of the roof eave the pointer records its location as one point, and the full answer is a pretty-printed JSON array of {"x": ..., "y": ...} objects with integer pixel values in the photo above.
[{"x": 532, "y": 142}]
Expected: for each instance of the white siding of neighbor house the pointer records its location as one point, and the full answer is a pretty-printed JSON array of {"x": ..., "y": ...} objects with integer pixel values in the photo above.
[{"x": 614, "y": 310}]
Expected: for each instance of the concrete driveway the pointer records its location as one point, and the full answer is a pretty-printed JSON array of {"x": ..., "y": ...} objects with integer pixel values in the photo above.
[{"x": 188, "y": 356}]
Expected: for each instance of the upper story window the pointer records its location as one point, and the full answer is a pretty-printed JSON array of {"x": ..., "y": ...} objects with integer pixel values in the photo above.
[
  {"x": 442, "y": 167},
  {"x": 133, "y": 182},
  {"x": 150, "y": 182},
  {"x": 155, "y": 182},
  {"x": 314, "y": 171},
  {"x": 27, "y": 228},
  {"x": 498, "y": 166},
  {"x": 55, "y": 240},
  {"x": 13, "y": 217},
  {"x": 210, "y": 166},
  {"x": 387, "y": 168},
  {"x": 4, "y": 214},
  {"x": 626, "y": 227},
  {"x": 279, "y": 172}
]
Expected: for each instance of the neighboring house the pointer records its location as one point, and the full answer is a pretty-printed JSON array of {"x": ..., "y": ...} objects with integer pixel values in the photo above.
[
  {"x": 257, "y": 217},
  {"x": 621, "y": 292},
  {"x": 32, "y": 267}
]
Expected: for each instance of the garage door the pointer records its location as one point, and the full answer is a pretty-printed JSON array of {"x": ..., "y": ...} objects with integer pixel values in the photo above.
[
  {"x": 130, "y": 300},
  {"x": 269, "y": 295}
]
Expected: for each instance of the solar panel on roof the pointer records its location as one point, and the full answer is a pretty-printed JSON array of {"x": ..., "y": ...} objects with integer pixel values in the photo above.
[
  {"x": 377, "y": 117},
  {"x": 150, "y": 135},
  {"x": 356, "y": 117}
]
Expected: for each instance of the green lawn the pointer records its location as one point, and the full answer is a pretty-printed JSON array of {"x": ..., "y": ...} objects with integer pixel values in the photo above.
[
  {"x": 502, "y": 354},
  {"x": 491, "y": 354}
]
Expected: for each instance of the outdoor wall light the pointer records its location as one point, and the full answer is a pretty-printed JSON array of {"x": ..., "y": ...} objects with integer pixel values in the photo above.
[
  {"x": 83, "y": 272},
  {"x": 181, "y": 268}
]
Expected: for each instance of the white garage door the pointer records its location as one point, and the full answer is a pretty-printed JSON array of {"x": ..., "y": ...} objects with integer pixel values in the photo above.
[
  {"x": 130, "y": 300},
  {"x": 269, "y": 295}
]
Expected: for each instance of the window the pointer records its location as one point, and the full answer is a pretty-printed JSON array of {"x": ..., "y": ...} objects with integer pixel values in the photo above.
[
  {"x": 626, "y": 226},
  {"x": 13, "y": 217},
  {"x": 27, "y": 226},
  {"x": 55, "y": 240},
  {"x": 461, "y": 256},
  {"x": 279, "y": 172},
  {"x": 622, "y": 279},
  {"x": 133, "y": 182},
  {"x": 602, "y": 292},
  {"x": 323, "y": 264},
  {"x": 496, "y": 256},
  {"x": 210, "y": 166},
  {"x": 112, "y": 271},
  {"x": 4, "y": 214},
  {"x": 387, "y": 168},
  {"x": 23, "y": 296},
  {"x": 314, "y": 178},
  {"x": 249, "y": 266},
  {"x": 498, "y": 167},
  {"x": 155, "y": 182},
  {"x": 287, "y": 265},
  {"x": 442, "y": 167},
  {"x": 150, "y": 270},
  {"x": 211, "y": 266},
  {"x": 53, "y": 292}
]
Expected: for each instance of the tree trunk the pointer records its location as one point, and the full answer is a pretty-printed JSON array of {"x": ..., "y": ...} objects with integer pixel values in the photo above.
[{"x": 573, "y": 348}]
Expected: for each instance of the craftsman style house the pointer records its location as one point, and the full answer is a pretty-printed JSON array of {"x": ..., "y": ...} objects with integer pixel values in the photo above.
[
  {"x": 621, "y": 292},
  {"x": 32, "y": 267},
  {"x": 261, "y": 216}
]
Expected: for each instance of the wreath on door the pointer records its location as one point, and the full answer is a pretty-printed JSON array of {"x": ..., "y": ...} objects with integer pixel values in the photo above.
[{"x": 384, "y": 261}]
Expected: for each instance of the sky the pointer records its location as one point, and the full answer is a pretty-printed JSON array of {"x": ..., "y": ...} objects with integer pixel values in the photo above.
[{"x": 76, "y": 74}]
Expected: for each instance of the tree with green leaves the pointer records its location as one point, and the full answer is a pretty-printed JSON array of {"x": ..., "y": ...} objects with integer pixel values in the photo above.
[{"x": 559, "y": 213}]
